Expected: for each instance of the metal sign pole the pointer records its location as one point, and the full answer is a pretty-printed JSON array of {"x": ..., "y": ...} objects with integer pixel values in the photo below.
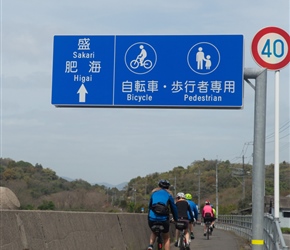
[
  {"x": 270, "y": 49},
  {"x": 276, "y": 167},
  {"x": 258, "y": 185}
]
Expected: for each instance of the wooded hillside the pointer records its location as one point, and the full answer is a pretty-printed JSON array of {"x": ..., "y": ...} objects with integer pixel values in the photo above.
[{"x": 40, "y": 188}]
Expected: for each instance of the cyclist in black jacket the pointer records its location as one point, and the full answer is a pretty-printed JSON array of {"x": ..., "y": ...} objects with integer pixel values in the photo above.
[{"x": 184, "y": 213}]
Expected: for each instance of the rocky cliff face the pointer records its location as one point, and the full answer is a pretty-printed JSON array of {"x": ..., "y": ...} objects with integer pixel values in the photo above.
[{"x": 8, "y": 199}]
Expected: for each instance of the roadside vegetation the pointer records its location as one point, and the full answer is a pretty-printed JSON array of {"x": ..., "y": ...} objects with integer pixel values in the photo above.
[{"x": 37, "y": 187}]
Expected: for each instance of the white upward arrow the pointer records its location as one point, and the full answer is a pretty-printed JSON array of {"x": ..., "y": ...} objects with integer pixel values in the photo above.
[{"x": 82, "y": 93}]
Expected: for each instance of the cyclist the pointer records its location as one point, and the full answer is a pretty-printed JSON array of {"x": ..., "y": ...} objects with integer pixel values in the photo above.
[
  {"x": 214, "y": 214},
  {"x": 207, "y": 215},
  {"x": 194, "y": 210},
  {"x": 142, "y": 55},
  {"x": 184, "y": 214},
  {"x": 161, "y": 198}
]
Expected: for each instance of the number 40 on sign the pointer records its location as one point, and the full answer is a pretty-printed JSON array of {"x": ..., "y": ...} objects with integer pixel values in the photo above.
[{"x": 270, "y": 48}]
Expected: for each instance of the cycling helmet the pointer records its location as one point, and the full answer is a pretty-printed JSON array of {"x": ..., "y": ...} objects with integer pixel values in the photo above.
[
  {"x": 207, "y": 202},
  {"x": 188, "y": 196},
  {"x": 164, "y": 184},
  {"x": 180, "y": 195}
]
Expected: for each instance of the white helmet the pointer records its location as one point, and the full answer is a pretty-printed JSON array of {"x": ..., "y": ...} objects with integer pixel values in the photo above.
[{"x": 180, "y": 195}]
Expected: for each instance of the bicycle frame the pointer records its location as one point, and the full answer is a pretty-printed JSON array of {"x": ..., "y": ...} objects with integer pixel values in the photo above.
[{"x": 182, "y": 242}]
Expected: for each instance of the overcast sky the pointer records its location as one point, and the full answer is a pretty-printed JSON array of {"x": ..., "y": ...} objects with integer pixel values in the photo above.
[{"x": 115, "y": 145}]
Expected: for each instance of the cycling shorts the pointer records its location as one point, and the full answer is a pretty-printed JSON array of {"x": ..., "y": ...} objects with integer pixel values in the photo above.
[
  {"x": 164, "y": 223},
  {"x": 192, "y": 222},
  {"x": 211, "y": 219}
]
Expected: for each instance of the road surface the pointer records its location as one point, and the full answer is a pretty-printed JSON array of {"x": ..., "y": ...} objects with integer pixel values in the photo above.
[{"x": 219, "y": 240}]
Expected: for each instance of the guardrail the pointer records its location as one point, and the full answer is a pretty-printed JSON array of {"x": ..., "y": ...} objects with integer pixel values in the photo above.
[{"x": 242, "y": 226}]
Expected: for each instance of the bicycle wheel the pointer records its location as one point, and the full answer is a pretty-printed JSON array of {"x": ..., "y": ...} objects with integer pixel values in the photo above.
[
  {"x": 134, "y": 64},
  {"x": 207, "y": 232},
  {"x": 159, "y": 246},
  {"x": 147, "y": 64},
  {"x": 181, "y": 242},
  {"x": 159, "y": 242}
]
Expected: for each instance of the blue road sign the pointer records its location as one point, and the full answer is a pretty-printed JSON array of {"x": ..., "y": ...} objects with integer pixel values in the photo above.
[{"x": 161, "y": 71}]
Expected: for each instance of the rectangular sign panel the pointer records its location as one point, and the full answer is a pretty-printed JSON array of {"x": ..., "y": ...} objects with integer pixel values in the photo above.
[{"x": 160, "y": 71}]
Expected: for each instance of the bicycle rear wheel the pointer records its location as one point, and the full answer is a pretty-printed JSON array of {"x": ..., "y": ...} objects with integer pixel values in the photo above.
[
  {"x": 159, "y": 243},
  {"x": 207, "y": 232},
  {"x": 181, "y": 242},
  {"x": 159, "y": 246}
]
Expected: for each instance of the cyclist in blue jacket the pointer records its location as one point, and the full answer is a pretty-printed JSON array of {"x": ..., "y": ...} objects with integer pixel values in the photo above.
[
  {"x": 194, "y": 210},
  {"x": 160, "y": 201}
]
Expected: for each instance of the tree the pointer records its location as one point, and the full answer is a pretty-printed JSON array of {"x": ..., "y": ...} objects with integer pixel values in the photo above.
[
  {"x": 46, "y": 205},
  {"x": 9, "y": 174}
]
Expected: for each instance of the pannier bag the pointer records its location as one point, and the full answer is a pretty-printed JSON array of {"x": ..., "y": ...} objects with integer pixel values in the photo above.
[{"x": 181, "y": 224}]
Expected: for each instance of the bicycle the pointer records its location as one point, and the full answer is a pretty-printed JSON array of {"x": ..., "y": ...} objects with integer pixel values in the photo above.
[
  {"x": 158, "y": 228},
  {"x": 208, "y": 231},
  {"x": 134, "y": 64},
  {"x": 182, "y": 225}
]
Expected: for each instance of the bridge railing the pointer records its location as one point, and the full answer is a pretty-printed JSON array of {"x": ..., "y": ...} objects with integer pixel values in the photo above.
[{"x": 242, "y": 226}]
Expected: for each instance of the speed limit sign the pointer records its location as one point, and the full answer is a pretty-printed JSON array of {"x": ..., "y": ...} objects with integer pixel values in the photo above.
[{"x": 270, "y": 48}]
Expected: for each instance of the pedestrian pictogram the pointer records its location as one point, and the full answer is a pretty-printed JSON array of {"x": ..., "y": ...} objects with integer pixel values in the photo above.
[{"x": 203, "y": 58}]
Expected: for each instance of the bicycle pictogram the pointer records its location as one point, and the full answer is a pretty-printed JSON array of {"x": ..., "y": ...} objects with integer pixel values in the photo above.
[
  {"x": 140, "y": 60},
  {"x": 134, "y": 64}
]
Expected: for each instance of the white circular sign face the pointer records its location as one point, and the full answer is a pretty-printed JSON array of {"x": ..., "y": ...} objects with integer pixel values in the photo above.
[{"x": 270, "y": 48}]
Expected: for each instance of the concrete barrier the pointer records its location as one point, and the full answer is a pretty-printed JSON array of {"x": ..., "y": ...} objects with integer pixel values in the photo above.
[{"x": 52, "y": 230}]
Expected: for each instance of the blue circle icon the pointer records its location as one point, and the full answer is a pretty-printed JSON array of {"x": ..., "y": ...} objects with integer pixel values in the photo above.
[
  {"x": 203, "y": 58},
  {"x": 140, "y": 58}
]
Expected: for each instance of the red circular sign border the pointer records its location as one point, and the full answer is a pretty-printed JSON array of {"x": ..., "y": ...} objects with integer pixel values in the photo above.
[{"x": 256, "y": 55}]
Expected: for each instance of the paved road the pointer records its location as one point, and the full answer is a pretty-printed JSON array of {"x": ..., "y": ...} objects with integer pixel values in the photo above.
[
  {"x": 287, "y": 239},
  {"x": 219, "y": 240}
]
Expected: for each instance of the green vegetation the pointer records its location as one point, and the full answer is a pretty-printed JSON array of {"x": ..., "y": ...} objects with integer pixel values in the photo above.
[
  {"x": 46, "y": 205},
  {"x": 40, "y": 188},
  {"x": 285, "y": 230}
]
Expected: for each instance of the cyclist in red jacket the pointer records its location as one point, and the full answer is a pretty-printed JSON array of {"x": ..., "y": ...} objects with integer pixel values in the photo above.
[{"x": 207, "y": 215}]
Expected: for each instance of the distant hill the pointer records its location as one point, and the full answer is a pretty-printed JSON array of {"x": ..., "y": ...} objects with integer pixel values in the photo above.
[
  {"x": 108, "y": 185},
  {"x": 119, "y": 186}
]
